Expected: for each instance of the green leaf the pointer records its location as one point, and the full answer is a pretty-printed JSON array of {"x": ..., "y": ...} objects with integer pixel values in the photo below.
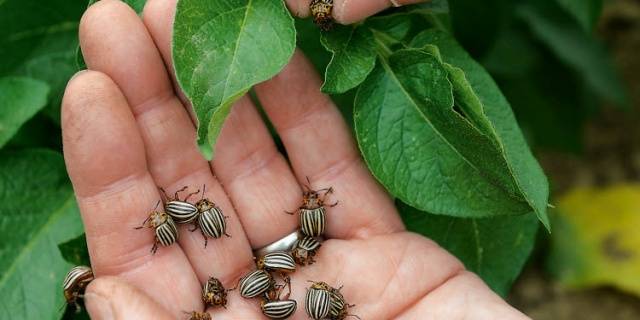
[
  {"x": 75, "y": 251},
  {"x": 38, "y": 211},
  {"x": 586, "y": 12},
  {"x": 496, "y": 249},
  {"x": 577, "y": 49},
  {"x": 21, "y": 98},
  {"x": 38, "y": 40},
  {"x": 530, "y": 180},
  {"x": 439, "y": 157},
  {"x": 354, "y": 56},
  {"x": 222, "y": 48}
]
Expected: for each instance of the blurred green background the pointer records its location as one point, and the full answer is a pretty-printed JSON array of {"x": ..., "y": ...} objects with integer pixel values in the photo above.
[{"x": 569, "y": 68}]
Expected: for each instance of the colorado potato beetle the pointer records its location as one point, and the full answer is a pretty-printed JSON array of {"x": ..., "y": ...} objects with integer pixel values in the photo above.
[
  {"x": 211, "y": 220},
  {"x": 321, "y": 11},
  {"x": 312, "y": 212},
  {"x": 255, "y": 283},
  {"x": 214, "y": 293},
  {"x": 304, "y": 250},
  {"x": 317, "y": 302},
  {"x": 275, "y": 308},
  {"x": 74, "y": 284},
  {"x": 180, "y": 210},
  {"x": 165, "y": 228},
  {"x": 277, "y": 261},
  {"x": 278, "y": 309},
  {"x": 339, "y": 309}
]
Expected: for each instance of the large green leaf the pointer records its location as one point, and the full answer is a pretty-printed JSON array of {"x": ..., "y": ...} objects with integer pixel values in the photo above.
[
  {"x": 38, "y": 40},
  {"x": 530, "y": 180},
  {"x": 20, "y": 99},
  {"x": 38, "y": 211},
  {"x": 354, "y": 56},
  {"x": 576, "y": 48},
  {"x": 586, "y": 12},
  {"x": 494, "y": 248},
  {"x": 222, "y": 48},
  {"x": 466, "y": 159}
]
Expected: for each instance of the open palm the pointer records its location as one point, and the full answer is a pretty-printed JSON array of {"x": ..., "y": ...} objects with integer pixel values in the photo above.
[{"x": 127, "y": 132}]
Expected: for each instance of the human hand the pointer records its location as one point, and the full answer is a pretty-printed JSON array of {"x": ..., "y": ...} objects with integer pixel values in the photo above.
[{"x": 126, "y": 132}]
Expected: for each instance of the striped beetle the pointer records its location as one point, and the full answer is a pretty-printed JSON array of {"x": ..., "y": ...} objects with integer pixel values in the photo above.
[
  {"x": 273, "y": 307},
  {"x": 180, "y": 210},
  {"x": 255, "y": 283},
  {"x": 74, "y": 284},
  {"x": 277, "y": 261},
  {"x": 278, "y": 309},
  {"x": 339, "y": 309},
  {"x": 321, "y": 12},
  {"x": 211, "y": 220},
  {"x": 165, "y": 228},
  {"x": 195, "y": 315},
  {"x": 304, "y": 250},
  {"x": 317, "y": 302},
  {"x": 214, "y": 293},
  {"x": 312, "y": 212}
]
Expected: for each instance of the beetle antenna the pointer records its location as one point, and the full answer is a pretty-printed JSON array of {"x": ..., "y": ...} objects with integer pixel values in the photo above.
[{"x": 204, "y": 188}]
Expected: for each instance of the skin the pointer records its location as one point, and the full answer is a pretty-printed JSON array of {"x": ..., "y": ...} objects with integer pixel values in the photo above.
[{"x": 127, "y": 130}]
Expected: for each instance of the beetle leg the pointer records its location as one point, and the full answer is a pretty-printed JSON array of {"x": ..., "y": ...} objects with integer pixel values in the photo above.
[
  {"x": 191, "y": 194},
  {"x": 154, "y": 248}
]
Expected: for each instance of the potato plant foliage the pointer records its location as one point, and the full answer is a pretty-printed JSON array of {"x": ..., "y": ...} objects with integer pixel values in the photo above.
[{"x": 436, "y": 94}]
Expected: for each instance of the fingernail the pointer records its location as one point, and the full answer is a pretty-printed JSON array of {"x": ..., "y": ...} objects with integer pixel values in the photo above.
[{"x": 98, "y": 307}]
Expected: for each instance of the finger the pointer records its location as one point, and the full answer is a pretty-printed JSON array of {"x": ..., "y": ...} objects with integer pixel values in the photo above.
[
  {"x": 165, "y": 127},
  {"x": 105, "y": 160},
  {"x": 112, "y": 298},
  {"x": 382, "y": 275},
  {"x": 350, "y": 11},
  {"x": 255, "y": 175},
  {"x": 477, "y": 302},
  {"x": 320, "y": 146}
]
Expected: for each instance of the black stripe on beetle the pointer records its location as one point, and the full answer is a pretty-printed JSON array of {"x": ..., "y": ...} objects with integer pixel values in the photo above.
[
  {"x": 255, "y": 283},
  {"x": 214, "y": 293},
  {"x": 304, "y": 250},
  {"x": 339, "y": 309},
  {"x": 279, "y": 309},
  {"x": 74, "y": 284},
  {"x": 321, "y": 12},
  {"x": 317, "y": 302},
  {"x": 180, "y": 210},
  {"x": 277, "y": 261}
]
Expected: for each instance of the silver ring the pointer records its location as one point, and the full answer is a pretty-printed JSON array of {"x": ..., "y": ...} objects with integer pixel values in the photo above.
[{"x": 284, "y": 244}]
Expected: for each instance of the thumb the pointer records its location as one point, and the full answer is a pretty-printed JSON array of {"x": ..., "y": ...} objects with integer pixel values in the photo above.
[{"x": 111, "y": 298}]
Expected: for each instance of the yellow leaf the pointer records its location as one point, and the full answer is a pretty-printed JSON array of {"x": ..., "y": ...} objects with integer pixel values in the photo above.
[{"x": 596, "y": 240}]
